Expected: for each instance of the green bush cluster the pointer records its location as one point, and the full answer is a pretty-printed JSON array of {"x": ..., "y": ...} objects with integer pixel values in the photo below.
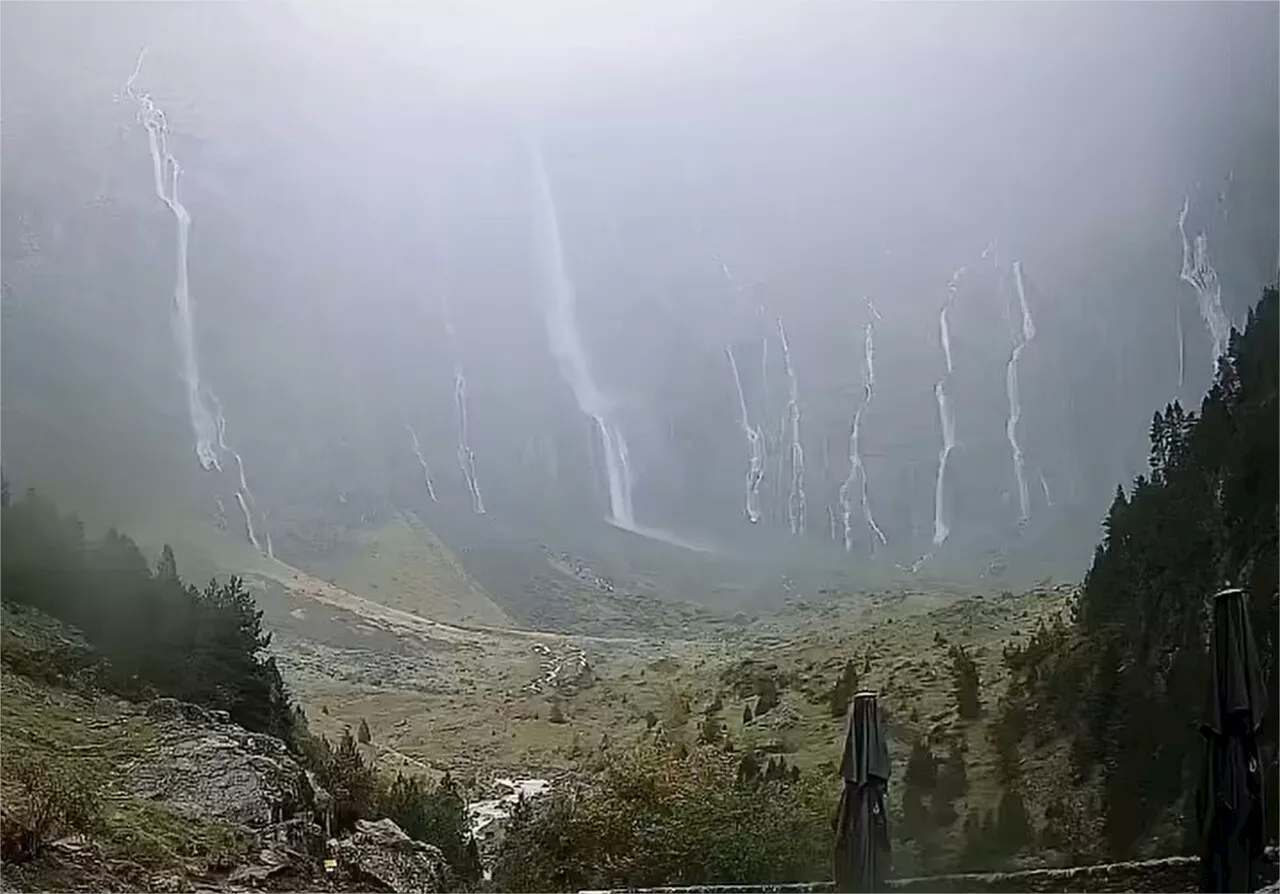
[{"x": 651, "y": 818}]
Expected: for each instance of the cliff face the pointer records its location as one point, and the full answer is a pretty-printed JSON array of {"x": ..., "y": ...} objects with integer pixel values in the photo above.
[{"x": 581, "y": 369}]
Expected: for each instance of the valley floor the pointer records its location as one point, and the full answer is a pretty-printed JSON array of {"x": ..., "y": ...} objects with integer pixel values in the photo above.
[{"x": 483, "y": 702}]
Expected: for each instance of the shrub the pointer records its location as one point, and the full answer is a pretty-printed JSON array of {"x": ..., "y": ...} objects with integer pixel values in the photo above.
[
  {"x": 436, "y": 816},
  {"x": 652, "y": 819},
  {"x": 56, "y": 799}
]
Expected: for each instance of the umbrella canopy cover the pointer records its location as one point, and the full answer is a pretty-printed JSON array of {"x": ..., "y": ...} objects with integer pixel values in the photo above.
[
  {"x": 1229, "y": 802},
  {"x": 862, "y": 850}
]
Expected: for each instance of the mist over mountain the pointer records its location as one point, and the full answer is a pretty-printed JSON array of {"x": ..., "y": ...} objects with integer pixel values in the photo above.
[{"x": 437, "y": 265}]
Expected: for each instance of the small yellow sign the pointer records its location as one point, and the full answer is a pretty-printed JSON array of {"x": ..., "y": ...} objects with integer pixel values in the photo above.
[{"x": 330, "y": 865}]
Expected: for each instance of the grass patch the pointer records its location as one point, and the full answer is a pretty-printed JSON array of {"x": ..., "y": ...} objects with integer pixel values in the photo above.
[{"x": 404, "y": 565}]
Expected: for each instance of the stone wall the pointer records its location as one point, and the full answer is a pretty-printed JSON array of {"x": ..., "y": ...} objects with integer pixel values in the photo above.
[{"x": 1170, "y": 874}]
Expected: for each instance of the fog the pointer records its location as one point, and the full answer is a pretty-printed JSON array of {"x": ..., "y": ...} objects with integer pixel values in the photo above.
[{"x": 485, "y": 265}]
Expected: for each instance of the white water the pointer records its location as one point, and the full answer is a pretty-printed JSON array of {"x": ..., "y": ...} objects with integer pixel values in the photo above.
[
  {"x": 245, "y": 495},
  {"x": 795, "y": 499},
  {"x": 946, "y": 416},
  {"x": 482, "y": 813},
  {"x": 1044, "y": 486},
  {"x": 857, "y": 469},
  {"x": 244, "y": 485},
  {"x": 426, "y": 471},
  {"x": 1027, "y": 333},
  {"x": 166, "y": 172},
  {"x": 248, "y": 521},
  {"x": 1198, "y": 272},
  {"x": 466, "y": 457},
  {"x": 266, "y": 533},
  {"x": 566, "y": 345},
  {"x": 755, "y": 447}
]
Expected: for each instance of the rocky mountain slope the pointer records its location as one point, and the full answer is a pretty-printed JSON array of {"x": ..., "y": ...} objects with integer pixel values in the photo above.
[{"x": 173, "y": 797}]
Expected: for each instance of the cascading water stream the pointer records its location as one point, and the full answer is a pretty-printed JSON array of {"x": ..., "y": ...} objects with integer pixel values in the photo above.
[
  {"x": 946, "y": 416},
  {"x": 795, "y": 499},
  {"x": 426, "y": 470},
  {"x": 1198, "y": 272},
  {"x": 244, "y": 496},
  {"x": 1026, "y": 333},
  {"x": 466, "y": 457},
  {"x": 1044, "y": 486},
  {"x": 248, "y": 522},
  {"x": 755, "y": 446},
  {"x": 208, "y": 426},
  {"x": 166, "y": 172},
  {"x": 857, "y": 469},
  {"x": 566, "y": 346}
]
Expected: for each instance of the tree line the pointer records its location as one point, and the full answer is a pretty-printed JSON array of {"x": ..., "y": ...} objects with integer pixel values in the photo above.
[
  {"x": 161, "y": 636},
  {"x": 1124, "y": 679}
]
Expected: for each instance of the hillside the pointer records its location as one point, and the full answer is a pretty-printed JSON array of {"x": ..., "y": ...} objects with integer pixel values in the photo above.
[{"x": 405, "y": 566}]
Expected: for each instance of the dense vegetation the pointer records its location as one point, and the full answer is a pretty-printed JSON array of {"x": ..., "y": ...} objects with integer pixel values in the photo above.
[
  {"x": 160, "y": 635},
  {"x": 655, "y": 816},
  {"x": 163, "y": 637},
  {"x": 1124, "y": 680}
]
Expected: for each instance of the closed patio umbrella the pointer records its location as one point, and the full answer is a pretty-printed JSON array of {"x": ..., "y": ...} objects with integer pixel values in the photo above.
[
  {"x": 1229, "y": 802},
  {"x": 862, "y": 818}
]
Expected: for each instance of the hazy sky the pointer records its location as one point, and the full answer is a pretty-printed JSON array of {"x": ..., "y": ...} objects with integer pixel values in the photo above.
[{"x": 346, "y": 164}]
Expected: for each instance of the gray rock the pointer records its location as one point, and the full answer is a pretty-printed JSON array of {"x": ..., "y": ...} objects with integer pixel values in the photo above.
[
  {"x": 204, "y": 766},
  {"x": 380, "y": 853}
]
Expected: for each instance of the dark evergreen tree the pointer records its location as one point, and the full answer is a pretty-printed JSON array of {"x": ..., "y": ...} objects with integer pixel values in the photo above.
[
  {"x": 965, "y": 672},
  {"x": 844, "y": 690},
  {"x": 922, "y": 768}
]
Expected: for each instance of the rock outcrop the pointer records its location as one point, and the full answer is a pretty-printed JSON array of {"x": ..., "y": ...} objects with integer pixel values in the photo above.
[
  {"x": 380, "y": 854},
  {"x": 203, "y": 765}
]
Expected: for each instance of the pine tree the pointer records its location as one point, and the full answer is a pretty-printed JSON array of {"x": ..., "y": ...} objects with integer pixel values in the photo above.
[
  {"x": 167, "y": 566},
  {"x": 363, "y": 735},
  {"x": 965, "y": 673},
  {"x": 1013, "y": 825},
  {"x": 922, "y": 768},
  {"x": 844, "y": 690}
]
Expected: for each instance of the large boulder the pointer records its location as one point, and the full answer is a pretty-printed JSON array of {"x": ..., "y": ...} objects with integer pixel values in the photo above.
[
  {"x": 203, "y": 765},
  {"x": 381, "y": 854}
]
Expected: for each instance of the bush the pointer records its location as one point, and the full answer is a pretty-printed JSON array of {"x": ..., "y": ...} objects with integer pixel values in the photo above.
[
  {"x": 652, "y": 819},
  {"x": 437, "y": 817},
  {"x": 55, "y": 800}
]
